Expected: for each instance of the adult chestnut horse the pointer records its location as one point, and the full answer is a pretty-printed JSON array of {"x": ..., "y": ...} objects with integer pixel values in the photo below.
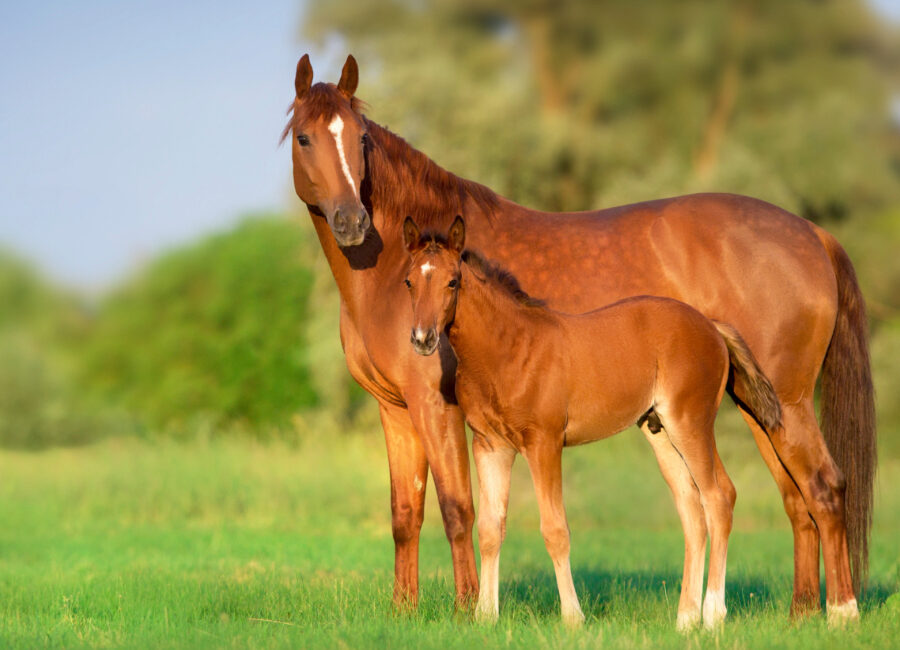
[
  {"x": 784, "y": 283},
  {"x": 532, "y": 381}
]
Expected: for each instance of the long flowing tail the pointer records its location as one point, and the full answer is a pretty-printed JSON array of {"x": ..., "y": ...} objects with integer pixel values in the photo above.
[
  {"x": 760, "y": 395},
  {"x": 848, "y": 407}
]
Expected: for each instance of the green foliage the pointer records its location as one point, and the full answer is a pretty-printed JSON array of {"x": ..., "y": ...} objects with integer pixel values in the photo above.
[
  {"x": 583, "y": 104},
  {"x": 39, "y": 403},
  {"x": 213, "y": 331}
]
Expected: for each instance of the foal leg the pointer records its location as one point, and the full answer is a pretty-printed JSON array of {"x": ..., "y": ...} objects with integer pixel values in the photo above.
[
  {"x": 714, "y": 604},
  {"x": 693, "y": 522},
  {"x": 494, "y": 465},
  {"x": 693, "y": 438},
  {"x": 545, "y": 463}
]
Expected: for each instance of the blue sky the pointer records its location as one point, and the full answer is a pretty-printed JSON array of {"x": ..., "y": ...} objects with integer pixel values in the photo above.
[{"x": 127, "y": 126}]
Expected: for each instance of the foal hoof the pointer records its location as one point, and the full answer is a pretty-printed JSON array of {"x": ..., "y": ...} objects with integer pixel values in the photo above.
[
  {"x": 841, "y": 615},
  {"x": 486, "y": 614},
  {"x": 573, "y": 619},
  {"x": 713, "y": 611},
  {"x": 687, "y": 621}
]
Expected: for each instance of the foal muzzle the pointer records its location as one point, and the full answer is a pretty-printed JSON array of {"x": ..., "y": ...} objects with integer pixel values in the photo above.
[{"x": 424, "y": 341}]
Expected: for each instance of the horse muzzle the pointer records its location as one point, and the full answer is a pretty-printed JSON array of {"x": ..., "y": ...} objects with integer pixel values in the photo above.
[{"x": 350, "y": 226}]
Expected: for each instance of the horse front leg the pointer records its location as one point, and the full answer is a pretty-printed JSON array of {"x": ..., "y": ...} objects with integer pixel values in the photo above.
[
  {"x": 442, "y": 431},
  {"x": 409, "y": 472}
]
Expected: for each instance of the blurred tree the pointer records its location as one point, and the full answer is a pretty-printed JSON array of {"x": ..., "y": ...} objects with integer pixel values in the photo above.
[
  {"x": 585, "y": 103},
  {"x": 39, "y": 400},
  {"x": 214, "y": 330}
]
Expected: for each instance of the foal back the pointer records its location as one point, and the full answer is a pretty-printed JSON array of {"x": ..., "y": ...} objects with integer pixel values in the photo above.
[{"x": 640, "y": 354}]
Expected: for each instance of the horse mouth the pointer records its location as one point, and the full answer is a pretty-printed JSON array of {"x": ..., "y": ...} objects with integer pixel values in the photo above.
[{"x": 346, "y": 240}]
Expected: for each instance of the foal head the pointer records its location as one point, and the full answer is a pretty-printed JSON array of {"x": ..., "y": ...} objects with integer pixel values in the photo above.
[
  {"x": 433, "y": 280},
  {"x": 328, "y": 150}
]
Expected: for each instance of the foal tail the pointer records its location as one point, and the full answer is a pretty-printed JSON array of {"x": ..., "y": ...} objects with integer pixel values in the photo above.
[
  {"x": 760, "y": 395},
  {"x": 848, "y": 406}
]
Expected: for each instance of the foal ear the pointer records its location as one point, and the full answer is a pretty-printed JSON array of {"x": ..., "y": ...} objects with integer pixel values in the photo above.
[
  {"x": 304, "y": 77},
  {"x": 410, "y": 234},
  {"x": 349, "y": 77},
  {"x": 457, "y": 236}
]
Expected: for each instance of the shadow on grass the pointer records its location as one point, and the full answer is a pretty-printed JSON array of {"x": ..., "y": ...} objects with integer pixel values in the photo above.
[{"x": 615, "y": 592}]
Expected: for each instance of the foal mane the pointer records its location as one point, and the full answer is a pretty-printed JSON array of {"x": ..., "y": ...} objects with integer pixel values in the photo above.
[
  {"x": 501, "y": 278},
  {"x": 401, "y": 180}
]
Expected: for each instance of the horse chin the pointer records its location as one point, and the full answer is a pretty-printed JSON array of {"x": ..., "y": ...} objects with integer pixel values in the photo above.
[{"x": 349, "y": 240}]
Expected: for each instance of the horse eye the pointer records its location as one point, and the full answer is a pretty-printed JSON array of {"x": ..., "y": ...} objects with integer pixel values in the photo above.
[
  {"x": 453, "y": 283},
  {"x": 364, "y": 138},
  {"x": 303, "y": 140},
  {"x": 408, "y": 283}
]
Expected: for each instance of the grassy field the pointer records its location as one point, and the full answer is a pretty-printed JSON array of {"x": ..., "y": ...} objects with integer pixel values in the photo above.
[{"x": 239, "y": 544}]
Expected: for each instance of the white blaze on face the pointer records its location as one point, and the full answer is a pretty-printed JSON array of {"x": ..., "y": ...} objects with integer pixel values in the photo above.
[
  {"x": 336, "y": 128},
  {"x": 427, "y": 268}
]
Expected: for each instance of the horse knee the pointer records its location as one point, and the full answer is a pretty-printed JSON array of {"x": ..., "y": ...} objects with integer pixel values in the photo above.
[
  {"x": 458, "y": 520},
  {"x": 406, "y": 522}
]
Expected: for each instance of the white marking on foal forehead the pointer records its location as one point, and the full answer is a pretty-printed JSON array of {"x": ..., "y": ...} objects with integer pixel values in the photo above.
[
  {"x": 336, "y": 128},
  {"x": 427, "y": 268}
]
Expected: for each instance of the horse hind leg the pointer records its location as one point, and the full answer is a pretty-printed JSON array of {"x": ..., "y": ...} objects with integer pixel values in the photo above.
[
  {"x": 802, "y": 450},
  {"x": 805, "y": 599},
  {"x": 690, "y": 511}
]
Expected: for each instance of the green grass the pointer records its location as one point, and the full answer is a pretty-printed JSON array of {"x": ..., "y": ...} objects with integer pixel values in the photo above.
[{"x": 240, "y": 544}]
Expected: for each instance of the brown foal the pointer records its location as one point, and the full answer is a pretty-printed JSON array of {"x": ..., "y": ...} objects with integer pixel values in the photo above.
[{"x": 533, "y": 380}]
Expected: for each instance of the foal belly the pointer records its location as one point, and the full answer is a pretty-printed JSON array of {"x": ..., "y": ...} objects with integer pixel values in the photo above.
[{"x": 604, "y": 413}]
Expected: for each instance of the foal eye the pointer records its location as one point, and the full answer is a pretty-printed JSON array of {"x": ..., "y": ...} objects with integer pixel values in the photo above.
[
  {"x": 453, "y": 283},
  {"x": 303, "y": 140},
  {"x": 408, "y": 284},
  {"x": 364, "y": 139}
]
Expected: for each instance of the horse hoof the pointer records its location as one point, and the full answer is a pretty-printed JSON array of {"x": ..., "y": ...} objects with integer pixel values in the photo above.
[{"x": 840, "y": 615}]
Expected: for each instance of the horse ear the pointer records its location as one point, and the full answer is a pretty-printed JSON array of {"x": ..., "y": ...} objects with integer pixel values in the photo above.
[
  {"x": 457, "y": 236},
  {"x": 304, "y": 77},
  {"x": 349, "y": 77},
  {"x": 410, "y": 234}
]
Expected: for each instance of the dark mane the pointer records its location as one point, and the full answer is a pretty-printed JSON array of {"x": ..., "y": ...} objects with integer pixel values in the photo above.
[
  {"x": 406, "y": 181},
  {"x": 400, "y": 180},
  {"x": 500, "y": 277}
]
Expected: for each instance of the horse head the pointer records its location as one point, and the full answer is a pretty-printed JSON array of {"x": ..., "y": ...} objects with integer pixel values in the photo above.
[{"x": 328, "y": 150}]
